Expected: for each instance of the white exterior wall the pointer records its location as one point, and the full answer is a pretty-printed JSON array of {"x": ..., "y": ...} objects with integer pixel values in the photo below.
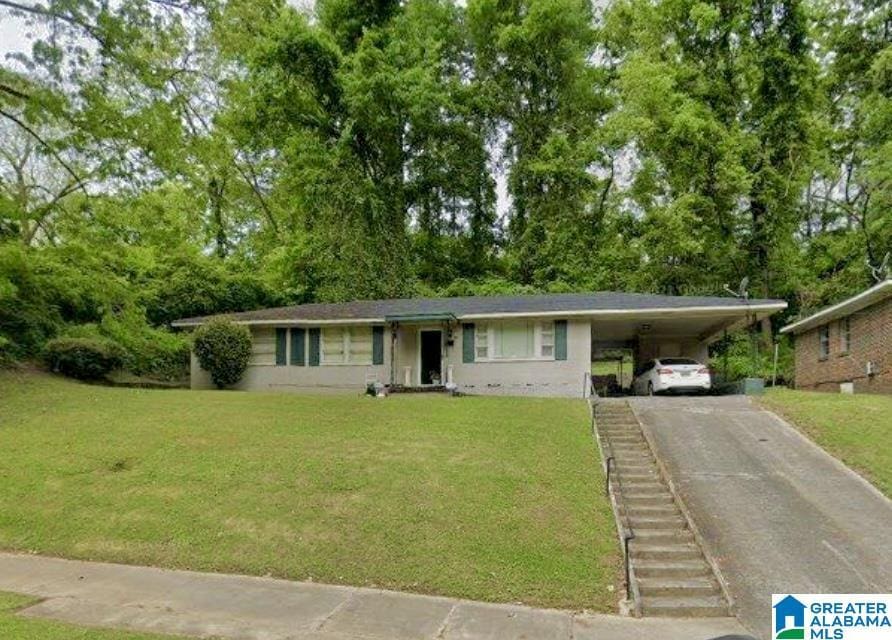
[
  {"x": 650, "y": 348},
  {"x": 263, "y": 374},
  {"x": 527, "y": 377},
  {"x": 521, "y": 377}
]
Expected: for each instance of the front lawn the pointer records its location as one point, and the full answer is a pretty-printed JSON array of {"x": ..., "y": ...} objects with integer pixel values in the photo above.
[
  {"x": 857, "y": 429},
  {"x": 21, "y": 628},
  {"x": 486, "y": 498}
]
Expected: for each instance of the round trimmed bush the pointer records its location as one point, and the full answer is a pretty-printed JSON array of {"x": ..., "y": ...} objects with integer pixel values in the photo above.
[
  {"x": 83, "y": 358},
  {"x": 223, "y": 348}
]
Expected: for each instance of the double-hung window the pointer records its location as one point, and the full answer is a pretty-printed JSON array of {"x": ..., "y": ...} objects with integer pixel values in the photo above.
[
  {"x": 481, "y": 342},
  {"x": 514, "y": 340},
  {"x": 347, "y": 345},
  {"x": 845, "y": 335},
  {"x": 824, "y": 342}
]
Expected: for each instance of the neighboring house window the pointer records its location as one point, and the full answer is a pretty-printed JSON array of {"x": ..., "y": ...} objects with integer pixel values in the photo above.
[
  {"x": 824, "y": 342},
  {"x": 514, "y": 340},
  {"x": 347, "y": 345},
  {"x": 845, "y": 335}
]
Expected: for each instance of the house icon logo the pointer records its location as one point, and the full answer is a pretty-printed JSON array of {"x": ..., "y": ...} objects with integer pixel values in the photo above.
[{"x": 789, "y": 619}]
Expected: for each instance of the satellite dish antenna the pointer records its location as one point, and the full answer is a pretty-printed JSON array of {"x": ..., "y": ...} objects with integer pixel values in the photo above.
[
  {"x": 881, "y": 272},
  {"x": 741, "y": 289}
]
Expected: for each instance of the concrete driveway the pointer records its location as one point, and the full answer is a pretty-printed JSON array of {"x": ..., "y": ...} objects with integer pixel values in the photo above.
[{"x": 776, "y": 513}]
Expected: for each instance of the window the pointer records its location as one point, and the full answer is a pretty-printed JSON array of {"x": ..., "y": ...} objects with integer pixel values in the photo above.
[
  {"x": 824, "y": 342},
  {"x": 481, "y": 342},
  {"x": 263, "y": 346},
  {"x": 546, "y": 334},
  {"x": 347, "y": 345},
  {"x": 845, "y": 335},
  {"x": 514, "y": 340}
]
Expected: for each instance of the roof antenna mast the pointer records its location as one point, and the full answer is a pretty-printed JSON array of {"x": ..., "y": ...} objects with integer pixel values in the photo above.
[
  {"x": 741, "y": 292},
  {"x": 881, "y": 272}
]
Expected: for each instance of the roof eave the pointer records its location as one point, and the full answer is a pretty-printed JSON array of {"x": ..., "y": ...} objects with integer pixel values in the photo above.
[
  {"x": 841, "y": 309},
  {"x": 717, "y": 310}
]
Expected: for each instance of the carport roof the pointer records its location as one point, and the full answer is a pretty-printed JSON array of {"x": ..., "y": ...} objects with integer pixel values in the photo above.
[{"x": 605, "y": 303}]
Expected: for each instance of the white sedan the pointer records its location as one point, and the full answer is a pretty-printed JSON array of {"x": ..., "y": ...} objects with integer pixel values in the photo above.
[{"x": 671, "y": 374}]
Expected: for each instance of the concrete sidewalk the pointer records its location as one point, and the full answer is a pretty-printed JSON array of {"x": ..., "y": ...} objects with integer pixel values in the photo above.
[{"x": 227, "y": 606}]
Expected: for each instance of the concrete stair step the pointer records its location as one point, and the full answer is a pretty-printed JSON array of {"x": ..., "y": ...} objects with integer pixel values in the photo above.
[
  {"x": 651, "y": 484},
  {"x": 646, "y": 568},
  {"x": 638, "y": 476},
  {"x": 636, "y": 468},
  {"x": 652, "y": 511},
  {"x": 647, "y": 489},
  {"x": 631, "y": 502},
  {"x": 623, "y": 447},
  {"x": 676, "y": 607},
  {"x": 664, "y": 536},
  {"x": 696, "y": 586},
  {"x": 658, "y": 522},
  {"x": 654, "y": 551},
  {"x": 633, "y": 458}
]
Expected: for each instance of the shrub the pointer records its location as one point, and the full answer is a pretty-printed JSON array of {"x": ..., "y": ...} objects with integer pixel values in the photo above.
[
  {"x": 83, "y": 358},
  {"x": 223, "y": 349},
  {"x": 5, "y": 352}
]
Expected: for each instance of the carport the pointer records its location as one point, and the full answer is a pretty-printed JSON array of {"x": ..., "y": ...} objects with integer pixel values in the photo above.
[{"x": 672, "y": 332}]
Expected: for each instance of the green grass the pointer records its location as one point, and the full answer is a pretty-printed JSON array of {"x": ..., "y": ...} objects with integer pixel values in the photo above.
[
  {"x": 857, "y": 429},
  {"x": 494, "y": 499},
  {"x": 20, "y": 628}
]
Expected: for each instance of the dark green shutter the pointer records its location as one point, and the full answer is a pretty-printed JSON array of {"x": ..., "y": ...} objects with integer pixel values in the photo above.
[
  {"x": 280, "y": 345},
  {"x": 314, "y": 347},
  {"x": 560, "y": 339},
  {"x": 467, "y": 343},
  {"x": 298, "y": 346},
  {"x": 377, "y": 345}
]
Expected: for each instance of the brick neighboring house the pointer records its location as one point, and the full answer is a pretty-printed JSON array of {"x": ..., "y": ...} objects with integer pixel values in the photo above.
[{"x": 848, "y": 343}]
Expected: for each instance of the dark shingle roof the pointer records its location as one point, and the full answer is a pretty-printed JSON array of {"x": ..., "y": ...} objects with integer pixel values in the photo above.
[{"x": 484, "y": 305}]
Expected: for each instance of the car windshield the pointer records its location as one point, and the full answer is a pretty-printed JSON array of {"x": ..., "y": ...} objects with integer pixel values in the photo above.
[{"x": 671, "y": 361}]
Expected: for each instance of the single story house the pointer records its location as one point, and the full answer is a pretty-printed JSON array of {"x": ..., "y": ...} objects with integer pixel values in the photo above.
[
  {"x": 847, "y": 347},
  {"x": 513, "y": 345}
]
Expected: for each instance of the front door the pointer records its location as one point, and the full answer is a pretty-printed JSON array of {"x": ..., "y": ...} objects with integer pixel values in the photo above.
[{"x": 431, "y": 356}]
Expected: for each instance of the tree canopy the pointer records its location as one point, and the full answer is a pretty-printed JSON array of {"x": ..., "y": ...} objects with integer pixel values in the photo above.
[{"x": 161, "y": 159}]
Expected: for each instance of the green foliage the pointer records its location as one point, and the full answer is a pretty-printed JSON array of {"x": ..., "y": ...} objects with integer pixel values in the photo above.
[
  {"x": 83, "y": 358},
  {"x": 217, "y": 157},
  {"x": 145, "y": 351},
  {"x": 747, "y": 357},
  {"x": 223, "y": 349}
]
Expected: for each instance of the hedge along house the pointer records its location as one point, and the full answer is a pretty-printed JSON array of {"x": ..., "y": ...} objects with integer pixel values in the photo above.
[
  {"x": 848, "y": 346},
  {"x": 513, "y": 345}
]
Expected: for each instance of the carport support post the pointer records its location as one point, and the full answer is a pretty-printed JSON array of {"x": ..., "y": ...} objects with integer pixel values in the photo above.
[{"x": 774, "y": 372}]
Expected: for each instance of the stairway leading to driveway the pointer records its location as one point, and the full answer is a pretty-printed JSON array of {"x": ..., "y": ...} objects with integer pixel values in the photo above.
[{"x": 668, "y": 570}]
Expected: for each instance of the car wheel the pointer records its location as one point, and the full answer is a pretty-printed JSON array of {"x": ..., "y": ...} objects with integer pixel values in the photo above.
[{"x": 650, "y": 388}]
